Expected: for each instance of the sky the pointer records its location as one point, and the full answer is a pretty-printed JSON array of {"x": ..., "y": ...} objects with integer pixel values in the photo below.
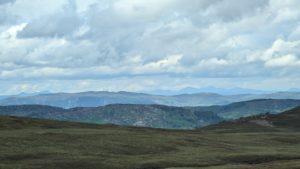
[{"x": 143, "y": 45}]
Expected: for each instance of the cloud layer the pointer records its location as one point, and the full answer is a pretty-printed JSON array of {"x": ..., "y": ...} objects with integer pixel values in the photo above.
[{"x": 135, "y": 41}]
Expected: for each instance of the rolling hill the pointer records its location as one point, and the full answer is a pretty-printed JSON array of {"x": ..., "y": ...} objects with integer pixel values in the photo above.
[
  {"x": 264, "y": 142},
  {"x": 252, "y": 107},
  {"x": 155, "y": 116},
  {"x": 288, "y": 120}
]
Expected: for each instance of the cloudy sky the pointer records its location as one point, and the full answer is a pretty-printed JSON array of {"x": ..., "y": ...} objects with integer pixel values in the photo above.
[{"x": 140, "y": 45}]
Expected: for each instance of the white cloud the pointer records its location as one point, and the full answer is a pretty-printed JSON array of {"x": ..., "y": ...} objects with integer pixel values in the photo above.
[
  {"x": 17, "y": 88},
  {"x": 88, "y": 40},
  {"x": 283, "y": 61},
  {"x": 11, "y": 32},
  {"x": 281, "y": 50},
  {"x": 167, "y": 62}
]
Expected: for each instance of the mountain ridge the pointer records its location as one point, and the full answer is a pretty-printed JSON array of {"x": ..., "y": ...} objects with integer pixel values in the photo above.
[
  {"x": 94, "y": 99},
  {"x": 286, "y": 120},
  {"x": 153, "y": 115}
]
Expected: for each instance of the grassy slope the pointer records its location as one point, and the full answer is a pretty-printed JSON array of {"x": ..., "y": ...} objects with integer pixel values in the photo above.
[{"x": 33, "y": 144}]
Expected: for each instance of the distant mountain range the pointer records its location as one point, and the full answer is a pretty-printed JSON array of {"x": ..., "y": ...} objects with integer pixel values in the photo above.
[
  {"x": 94, "y": 99},
  {"x": 24, "y": 94},
  {"x": 156, "y": 116},
  {"x": 210, "y": 89},
  {"x": 3, "y": 97}
]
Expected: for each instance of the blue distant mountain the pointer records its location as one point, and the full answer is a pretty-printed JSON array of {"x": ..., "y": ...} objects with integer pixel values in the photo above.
[
  {"x": 25, "y": 94},
  {"x": 210, "y": 89},
  {"x": 294, "y": 90},
  {"x": 3, "y": 97},
  {"x": 101, "y": 98}
]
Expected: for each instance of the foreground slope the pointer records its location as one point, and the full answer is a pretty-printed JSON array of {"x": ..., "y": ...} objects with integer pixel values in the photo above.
[{"x": 42, "y": 144}]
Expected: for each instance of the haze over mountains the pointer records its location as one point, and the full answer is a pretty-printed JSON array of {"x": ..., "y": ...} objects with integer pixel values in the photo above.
[
  {"x": 94, "y": 99},
  {"x": 211, "y": 89}
]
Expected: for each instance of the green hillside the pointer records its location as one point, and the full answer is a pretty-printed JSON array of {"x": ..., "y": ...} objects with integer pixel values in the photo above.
[
  {"x": 252, "y": 107},
  {"x": 265, "y": 141},
  {"x": 154, "y": 116}
]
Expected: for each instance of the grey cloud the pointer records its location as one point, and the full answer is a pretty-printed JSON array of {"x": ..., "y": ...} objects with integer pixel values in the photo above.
[
  {"x": 176, "y": 32},
  {"x": 5, "y": 15},
  {"x": 6, "y": 1},
  {"x": 230, "y": 10},
  {"x": 56, "y": 25}
]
